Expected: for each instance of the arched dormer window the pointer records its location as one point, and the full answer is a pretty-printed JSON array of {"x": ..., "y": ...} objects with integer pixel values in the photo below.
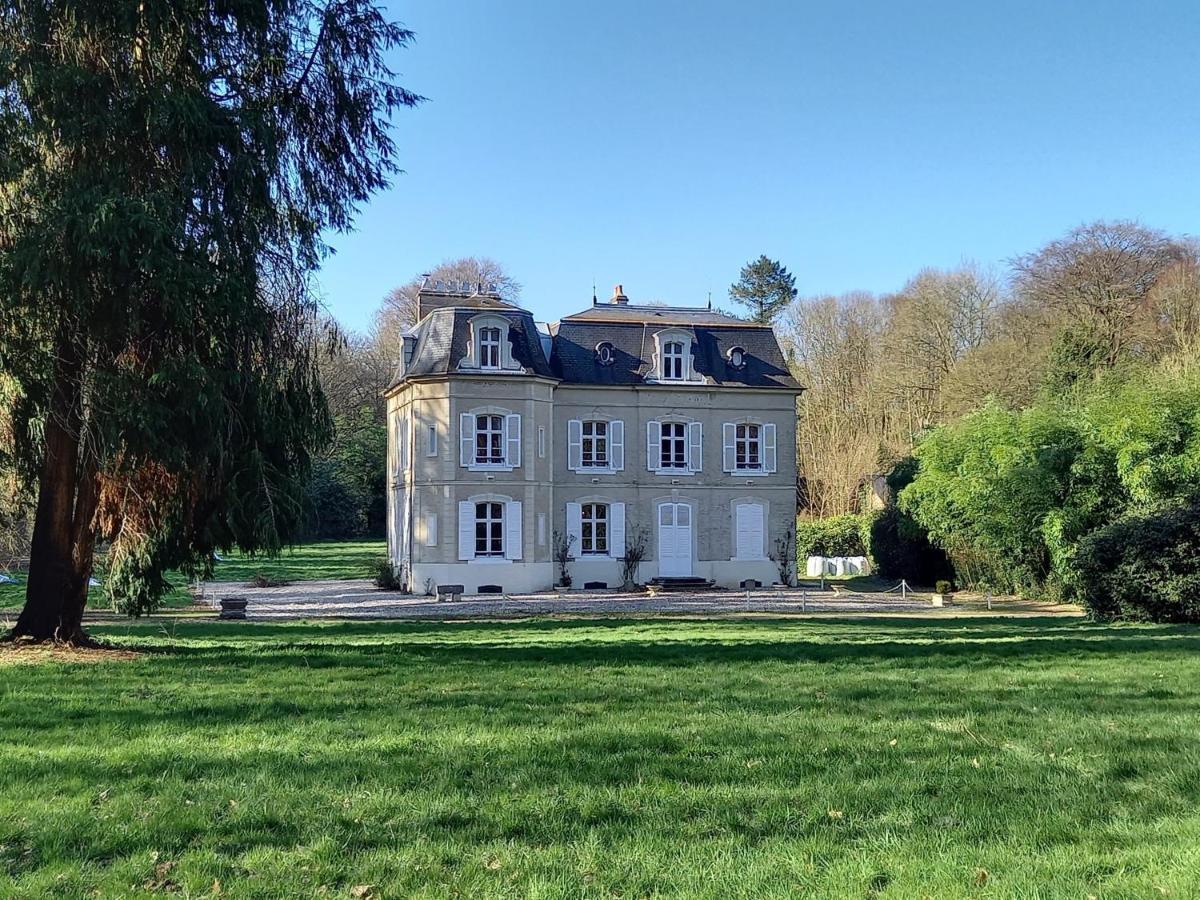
[
  {"x": 673, "y": 357},
  {"x": 489, "y": 348}
]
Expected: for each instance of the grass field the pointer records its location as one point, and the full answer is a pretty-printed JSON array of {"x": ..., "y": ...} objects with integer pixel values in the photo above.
[
  {"x": 1022, "y": 758},
  {"x": 332, "y": 559}
]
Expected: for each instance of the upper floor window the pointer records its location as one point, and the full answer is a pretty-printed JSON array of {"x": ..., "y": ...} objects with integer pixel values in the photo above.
[
  {"x": 604, "y": 353},
  {"x": 595, "y": 444},
  {"x": 489, "y": 347},
  {"x": 747, "y": 447},
  {"x": 489, "y": 440},
  {"x": 594, "y": 529},
  {"x": 673, "y": 446},
  {"x": 736, "y": 357},
  {"x": 672, "y": 360}
]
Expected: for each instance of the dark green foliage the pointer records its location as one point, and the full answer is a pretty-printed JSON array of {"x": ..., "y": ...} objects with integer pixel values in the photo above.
[
  {"x": 900, "y": 548},
  {"x": 167, "y": 173},
  {"x": 1144, "y": 567},
  {"x": 834, "y": 536},
  {"x": 347, "y": 496},
  {"x": 766, "y": 287},
  {"x": 942, "y": 587},
  {"x": 385, "y": 575},
  {"x": 1010, "y": 496}
]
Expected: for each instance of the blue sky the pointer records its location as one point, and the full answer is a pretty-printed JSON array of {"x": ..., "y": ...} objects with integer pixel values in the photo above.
[{"x": 664, "y": 144}]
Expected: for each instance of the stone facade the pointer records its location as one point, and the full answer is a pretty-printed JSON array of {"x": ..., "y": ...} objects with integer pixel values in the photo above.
[{"x": 497, "y": 446}]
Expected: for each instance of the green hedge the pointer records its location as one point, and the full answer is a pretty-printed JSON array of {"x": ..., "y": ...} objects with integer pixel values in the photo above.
[
  {"x": 834, "y": 536},
  {"x": 1144, "y": 567}
]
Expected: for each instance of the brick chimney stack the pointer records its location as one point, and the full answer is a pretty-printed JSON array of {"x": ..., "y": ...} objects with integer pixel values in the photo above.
[{"x": 619, "y": 295}]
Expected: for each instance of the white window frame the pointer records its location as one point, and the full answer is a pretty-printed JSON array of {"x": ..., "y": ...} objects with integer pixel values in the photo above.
[
  {"x": 431, "y": 440},
  {"x": 489, "y": 427},
  {"x": 676, "y": 458},
  {"x": 510, "y": 524},
  {"x": 767, "y": 448},
  {"x": 492, "y": 520},
  {"x": 693, "y": 446},
  {"x": 510, "y": 440},
  {"x": 593, "y": 515},
  {"x": 499, "y": 363},
  {"x": 541, "y": 442},
  {"x": 615, "y": 527},
  {"x": 674, "y": 368},
  {"x": 673, "y": 361},
  {"x": 490, "y": 338},
  {"x": 614, "y": 439}
]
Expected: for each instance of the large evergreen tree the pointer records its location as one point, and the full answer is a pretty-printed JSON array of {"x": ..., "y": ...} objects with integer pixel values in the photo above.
[
  {"x": 766, "y": 287},
  {"x": 166, "y": 173}
]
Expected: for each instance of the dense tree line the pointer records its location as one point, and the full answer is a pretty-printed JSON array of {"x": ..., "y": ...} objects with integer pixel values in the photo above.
[{"x": 1041, "y": 406}]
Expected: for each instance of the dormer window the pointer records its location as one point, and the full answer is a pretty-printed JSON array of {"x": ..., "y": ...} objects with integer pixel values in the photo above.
[
  {"x": 672, "y": 361},
  {"x": 736, "y": 357},
  {"x": 604, "y": 353},
  {"x": 489, "y": 347}
]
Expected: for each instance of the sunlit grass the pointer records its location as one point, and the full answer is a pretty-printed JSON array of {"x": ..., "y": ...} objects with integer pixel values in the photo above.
[
  {"x": 1045, "y": 758},
  {"x": 305, "y": 562}
]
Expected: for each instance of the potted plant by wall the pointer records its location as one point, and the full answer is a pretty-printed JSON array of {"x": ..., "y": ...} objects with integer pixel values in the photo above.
[
  {"x": 942, "y": 593},
  {"x": 562, "y": 544},
  {"x": 637, "y": 541}
]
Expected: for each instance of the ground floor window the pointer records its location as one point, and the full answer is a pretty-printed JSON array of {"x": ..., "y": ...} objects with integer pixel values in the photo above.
[
  {"x": 489, "y": 529},
  {"x": 594, "y": 529}
]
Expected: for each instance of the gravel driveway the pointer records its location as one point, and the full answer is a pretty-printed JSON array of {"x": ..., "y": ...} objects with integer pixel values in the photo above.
[{"x": 360, "y": 599}]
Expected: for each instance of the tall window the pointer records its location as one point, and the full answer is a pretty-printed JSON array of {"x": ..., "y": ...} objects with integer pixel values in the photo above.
[
  {"x": 673, "y": 360},
  {"x": 595, "y": 444},
  {"x": 489, "y": 529},
  {"x": 674, "y": 446},
  {"x": 748, "y": 447},
  {"x": 593, "y": 538},
  {"x": 489, "y": 439},
  {"x": 489, "y": 348}
]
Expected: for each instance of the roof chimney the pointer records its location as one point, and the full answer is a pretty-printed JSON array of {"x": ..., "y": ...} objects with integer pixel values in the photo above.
[{"x": 619, "y": 295}]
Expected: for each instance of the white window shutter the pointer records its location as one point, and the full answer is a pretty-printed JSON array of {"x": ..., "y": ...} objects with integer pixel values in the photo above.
[
  {"x": 574, "y": 445},
  {"x": 653, "y": 445},
  {"x": 466, "y": 438},
  {"x": 749, "y": 528},
  {"x": 616, "y": 445},
  {"x": 575, "y": 526},
  {"x": 769, "y": 447},
  {"x": 616, "y": 530},
  {"x": 512, "y": 432},
  {"x": 466, "y": 530},
  {"x": 728, "y": 451},
  {"x": 695, "y": 446},
  {"x": 512, "y": 529}
]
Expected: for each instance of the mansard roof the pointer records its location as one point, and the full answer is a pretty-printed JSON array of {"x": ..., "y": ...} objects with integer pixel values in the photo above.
[
  {"x": 439, "y": 342},
  {"x": 631, "y": 330},
  {"x": 442, "y": 339}
]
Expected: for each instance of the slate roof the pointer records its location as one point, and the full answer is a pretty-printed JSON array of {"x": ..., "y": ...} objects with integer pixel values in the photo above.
[
  {"x": 631, "y": 332},
  {"x": 442, "y": 338}
]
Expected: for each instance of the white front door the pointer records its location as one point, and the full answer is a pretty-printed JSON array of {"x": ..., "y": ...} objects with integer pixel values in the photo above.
[{"x": 674, "y": 540}]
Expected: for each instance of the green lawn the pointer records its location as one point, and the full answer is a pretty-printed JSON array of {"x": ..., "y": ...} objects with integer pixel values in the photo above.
[
  {"x": 1020, "y": 758},
  {"x": 332, "y": 559}
]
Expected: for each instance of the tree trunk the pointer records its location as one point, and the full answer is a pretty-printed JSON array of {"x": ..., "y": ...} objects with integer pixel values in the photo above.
[{"x": 61, "y": 551}]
